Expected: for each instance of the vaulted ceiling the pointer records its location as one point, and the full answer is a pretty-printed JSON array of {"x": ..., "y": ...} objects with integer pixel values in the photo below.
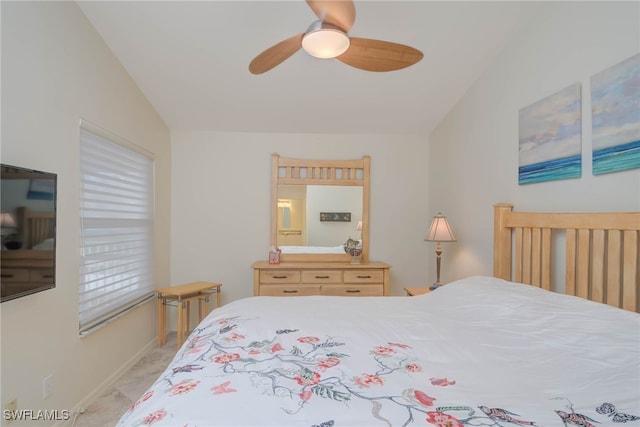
[{"x": 190, "y": 59}]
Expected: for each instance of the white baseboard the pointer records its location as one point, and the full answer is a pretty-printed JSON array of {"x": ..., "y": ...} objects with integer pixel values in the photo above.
[{"x": 108, "y": 382}]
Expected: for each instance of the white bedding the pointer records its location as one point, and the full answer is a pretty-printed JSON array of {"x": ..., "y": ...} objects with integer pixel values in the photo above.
[
  {"x": 312, "y": 249},
  {"x": 477, "y": 352}
]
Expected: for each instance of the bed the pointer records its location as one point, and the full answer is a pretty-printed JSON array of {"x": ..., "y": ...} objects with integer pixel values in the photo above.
[{"x": 481, "y": 351}]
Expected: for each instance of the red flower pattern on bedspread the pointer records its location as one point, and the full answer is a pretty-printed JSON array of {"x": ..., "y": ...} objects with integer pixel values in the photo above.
[
  {"x": 299, "y": 369},
  {"x": 223, "y": 388}
]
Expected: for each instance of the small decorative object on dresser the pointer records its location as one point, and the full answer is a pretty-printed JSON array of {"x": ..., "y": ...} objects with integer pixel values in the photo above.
[
  {"x": 355, "y": 252},
  {"x": 274, "y": 256},
  {"x": 353, "y": 248}
]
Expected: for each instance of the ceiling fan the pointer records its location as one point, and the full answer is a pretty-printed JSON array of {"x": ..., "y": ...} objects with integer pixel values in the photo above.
[{"x": 327, "y": 38}]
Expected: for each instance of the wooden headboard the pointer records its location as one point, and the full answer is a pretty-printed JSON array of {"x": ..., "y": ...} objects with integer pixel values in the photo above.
[
  {"x": 601, "y": 252},
  {"x": 34, "y": 227}
]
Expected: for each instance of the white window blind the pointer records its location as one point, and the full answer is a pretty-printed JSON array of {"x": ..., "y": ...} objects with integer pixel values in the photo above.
[{"x": 116, "y": 268}]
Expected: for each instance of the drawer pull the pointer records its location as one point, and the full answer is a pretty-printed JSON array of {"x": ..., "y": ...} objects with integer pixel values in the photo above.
[
  {"x": 322, "y": 277},
  {"x": 286, "y": 291},
  {"x": 280, "y": 277},
  {"x": 352, "y": 291},
  {"x": 364, "y": 277},
  {"x": 6, "y": 275}
]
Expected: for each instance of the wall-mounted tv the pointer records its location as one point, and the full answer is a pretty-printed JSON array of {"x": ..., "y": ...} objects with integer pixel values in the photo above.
[{"x": 27, "y": 230}]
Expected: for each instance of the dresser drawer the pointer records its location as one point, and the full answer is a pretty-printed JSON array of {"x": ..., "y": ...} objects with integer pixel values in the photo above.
[
  {"x": 322, "y": 276},
  {"x": 289, "y": 291},
  {"x": 15, "y": 275},
  {"x": 44, "y": 275},
  {"x": 280, "y": 276},
  {"x": 363, "y": 276},
  {"x": 353, "y": 290}
]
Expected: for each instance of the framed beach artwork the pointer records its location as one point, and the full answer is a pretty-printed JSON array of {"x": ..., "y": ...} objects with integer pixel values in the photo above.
[
  {"x": 550, "y": 138},
  {"x": 615, "y": 110}
]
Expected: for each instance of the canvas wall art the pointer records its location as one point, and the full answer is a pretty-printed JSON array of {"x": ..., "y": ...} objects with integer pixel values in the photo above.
[
  {"x": 550, "y": 138},
  {"x": 615, "y": 110}
]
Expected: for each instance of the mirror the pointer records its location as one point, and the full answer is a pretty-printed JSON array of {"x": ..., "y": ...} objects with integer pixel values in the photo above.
[
  {"x": 321, "y": 218},
  {"x": 317, "y": 205}
]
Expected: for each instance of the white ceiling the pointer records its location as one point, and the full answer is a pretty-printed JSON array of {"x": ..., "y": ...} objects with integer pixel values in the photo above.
[{"x": 190, "y": 58}]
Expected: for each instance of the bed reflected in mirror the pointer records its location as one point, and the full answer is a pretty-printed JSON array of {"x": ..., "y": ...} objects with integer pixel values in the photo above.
[{"x": 316, "y": 218}]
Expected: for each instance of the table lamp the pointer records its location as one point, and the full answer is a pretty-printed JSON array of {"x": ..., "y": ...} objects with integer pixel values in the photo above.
[{"x": 440, "y": 231}]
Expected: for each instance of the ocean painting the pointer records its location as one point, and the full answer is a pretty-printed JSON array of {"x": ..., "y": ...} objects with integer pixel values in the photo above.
[
  {"x": 550, "y": 138},
  {"x": 615, "y": 110}
]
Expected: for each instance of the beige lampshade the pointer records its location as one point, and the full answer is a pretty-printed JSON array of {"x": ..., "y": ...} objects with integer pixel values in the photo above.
[
  {"x": 7, "y": 221},
  {"x": 440, "y": 231}
]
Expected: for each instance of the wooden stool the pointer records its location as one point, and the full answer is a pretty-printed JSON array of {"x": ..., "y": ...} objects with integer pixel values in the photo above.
[{"x": 182, "y": 295}]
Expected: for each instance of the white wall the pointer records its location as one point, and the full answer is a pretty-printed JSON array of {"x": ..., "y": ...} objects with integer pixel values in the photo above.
[
  {"x": 474, "y": 151},
  {"x": 221, "y": 202},
  {"x": 56, "y": 70},
  {"x": 322, "y": 198}
]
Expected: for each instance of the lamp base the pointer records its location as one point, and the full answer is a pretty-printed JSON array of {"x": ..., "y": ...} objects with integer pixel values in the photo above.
[{"x": 435, "y": 286}]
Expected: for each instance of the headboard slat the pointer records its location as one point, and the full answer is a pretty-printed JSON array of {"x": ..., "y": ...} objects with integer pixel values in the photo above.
[
  {"x": 518, "y": 254},
  {"x": 630, "y": 274},
  {"x": 536, "y": 257},
  {"x": 570, "y": 257},
  {"x": 597, "y": 265},
  {"x": 545, "y": 281},
  {"x": 582, "y": 276},
  {"x": 614, "y": 260},
  {"x": 526, "y": 255}
]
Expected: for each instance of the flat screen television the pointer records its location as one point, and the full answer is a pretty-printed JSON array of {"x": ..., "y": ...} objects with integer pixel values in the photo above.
[{"x": 28, "y": 231}]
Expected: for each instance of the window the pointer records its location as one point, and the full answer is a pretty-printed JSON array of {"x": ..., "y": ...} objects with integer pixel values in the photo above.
[{"x": 116, "y": 209}]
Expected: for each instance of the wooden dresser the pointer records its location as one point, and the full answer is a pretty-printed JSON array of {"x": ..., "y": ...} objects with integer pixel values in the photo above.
[{"x": 320, "y": 278}]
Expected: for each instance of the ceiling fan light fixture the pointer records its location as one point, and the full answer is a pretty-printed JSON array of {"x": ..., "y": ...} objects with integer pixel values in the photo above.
[{"x": 325, "y": 41}]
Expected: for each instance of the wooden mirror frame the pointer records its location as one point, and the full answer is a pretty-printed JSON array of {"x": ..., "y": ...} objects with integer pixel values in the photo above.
[{"x": 320, "y": 172}]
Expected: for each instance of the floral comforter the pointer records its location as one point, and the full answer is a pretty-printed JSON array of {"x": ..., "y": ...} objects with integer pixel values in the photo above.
[{"x": 477, "y": 352}]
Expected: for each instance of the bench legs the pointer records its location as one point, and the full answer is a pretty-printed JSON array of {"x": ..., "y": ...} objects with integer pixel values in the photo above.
[{"x": 184, "y": 314}]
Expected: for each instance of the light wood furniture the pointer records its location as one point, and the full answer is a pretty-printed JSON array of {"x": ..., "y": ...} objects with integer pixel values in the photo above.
[
  {"x": 417, "y": 290},
  {"x": 321, "y": 172},
  {"x": 601, "y": 252},
  {"x": 182, "y": 296},
  {"x": 320, "y": 278}
]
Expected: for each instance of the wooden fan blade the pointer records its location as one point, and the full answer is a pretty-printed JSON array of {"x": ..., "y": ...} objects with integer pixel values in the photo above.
[
  {"x": 377, "y": 55},
  {"x": 275, "y": 54},
  {"x": 341, "y": 13}
]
